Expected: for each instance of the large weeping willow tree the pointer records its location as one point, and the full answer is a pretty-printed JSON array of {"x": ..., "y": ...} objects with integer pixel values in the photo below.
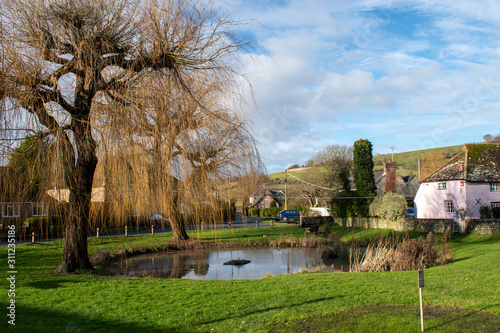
[
  {"x": 177, "y": 146},
  {"x": 148, "y": 86}
]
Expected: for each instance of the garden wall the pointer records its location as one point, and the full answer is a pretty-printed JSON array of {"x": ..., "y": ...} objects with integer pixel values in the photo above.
[
  {"x": 308, "y": 221},
  {"x": 424, "y": 225}
]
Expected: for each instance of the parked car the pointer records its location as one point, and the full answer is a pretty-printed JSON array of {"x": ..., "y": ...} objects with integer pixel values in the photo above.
[
  {"x": 289, "y": 214},
  {"x": 410, "y": 212},
  {"x": 322, "y": 211}
]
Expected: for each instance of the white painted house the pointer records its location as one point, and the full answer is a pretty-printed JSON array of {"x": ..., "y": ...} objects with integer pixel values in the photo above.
[{"x": 459, "y": 189}]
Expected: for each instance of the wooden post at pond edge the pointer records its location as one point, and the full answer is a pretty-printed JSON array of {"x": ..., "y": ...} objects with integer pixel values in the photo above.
[
  {"x": 33, "y": 237},
  {"x": 126, "y": 231},
  {"x": 152, "y": 229},
  {"x": 420, "y": 286},
  {"x": 97, "y": 232}
]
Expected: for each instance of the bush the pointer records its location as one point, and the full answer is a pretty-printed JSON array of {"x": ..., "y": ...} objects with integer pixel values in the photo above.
[
  {"x": 389, "y": 206},
  {"x": 254, "y": 212},
  {"x": 313, "y": 213},
  {"x": 270, "y": 213},
  {"x": 395, "y": 254},
  {"x": 485, "y": 212},
  {"x": 272, "y": 204},
  {"x": 350, "y": 207}
]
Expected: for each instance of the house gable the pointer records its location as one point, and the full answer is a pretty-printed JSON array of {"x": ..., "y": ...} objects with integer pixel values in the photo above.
[
  {"x": 478, "y": 162},
  {"x": 459, "y": 190},
  {"x": 262, "y": 197}
]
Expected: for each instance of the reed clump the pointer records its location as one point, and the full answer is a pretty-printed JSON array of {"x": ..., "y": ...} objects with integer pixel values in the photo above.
[{"x": 400, "y": 254}]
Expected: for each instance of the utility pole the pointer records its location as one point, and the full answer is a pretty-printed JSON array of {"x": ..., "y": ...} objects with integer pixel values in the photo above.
[
  {"x": 286, "y": 199},
  {"x": 418, "y": 167},
  {"x": 392, "y": 153}
]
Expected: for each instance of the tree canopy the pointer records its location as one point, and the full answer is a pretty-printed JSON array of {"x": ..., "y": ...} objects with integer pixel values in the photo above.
[
  {"x": 148, "y": 89},
  {"x": 363, "y": 168}
]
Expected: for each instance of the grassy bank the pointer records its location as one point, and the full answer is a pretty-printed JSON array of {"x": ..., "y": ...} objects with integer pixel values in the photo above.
[{"x": 463, "y": 294}]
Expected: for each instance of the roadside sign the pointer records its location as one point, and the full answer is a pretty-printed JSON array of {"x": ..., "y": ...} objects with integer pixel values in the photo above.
[{"x": 421, "y": 278}]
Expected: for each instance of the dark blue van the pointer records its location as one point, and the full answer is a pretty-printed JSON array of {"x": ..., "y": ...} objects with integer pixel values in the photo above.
[{"x": 289, "y": 214}]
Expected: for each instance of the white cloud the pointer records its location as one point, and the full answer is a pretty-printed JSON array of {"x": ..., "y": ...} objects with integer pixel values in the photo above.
[{"x": 410, "y": 73}]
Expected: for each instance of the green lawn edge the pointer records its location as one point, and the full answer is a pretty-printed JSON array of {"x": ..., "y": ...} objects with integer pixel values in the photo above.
[{"x": 89, "y": 302}]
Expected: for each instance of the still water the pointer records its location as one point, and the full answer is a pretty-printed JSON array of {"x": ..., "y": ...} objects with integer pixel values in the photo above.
[{"x": 209, "y": 265}]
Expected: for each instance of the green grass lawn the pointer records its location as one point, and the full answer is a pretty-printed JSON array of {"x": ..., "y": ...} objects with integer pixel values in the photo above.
[{"x": 463, "y": 296}]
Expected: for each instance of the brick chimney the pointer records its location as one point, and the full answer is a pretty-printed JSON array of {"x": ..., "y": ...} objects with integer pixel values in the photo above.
[{"x": 390, "y": 177}]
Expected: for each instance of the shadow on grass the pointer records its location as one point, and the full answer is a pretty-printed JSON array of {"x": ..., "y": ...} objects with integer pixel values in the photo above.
[
  {"x": 463, "y": 314},
  {"x": 392, "y": 318},
  {"x": 476, "y": 239},
  {"x": 275, "y": 308},
  {"x": 460, "y": 259},
  {"x": 51, "y": 284},
  {"x": 45, "y": 320}
]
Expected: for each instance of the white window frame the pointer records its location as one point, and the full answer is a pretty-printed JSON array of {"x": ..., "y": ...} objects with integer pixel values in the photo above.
[
  {"x": 495, "y": 204},
  {"x": 442, "y": 186},
  {"x": 494, "y": 187},
  {"x": 9, "y": 210},
  {"x": 449, "y": 207},
  {"x": 36, "y": 209}
]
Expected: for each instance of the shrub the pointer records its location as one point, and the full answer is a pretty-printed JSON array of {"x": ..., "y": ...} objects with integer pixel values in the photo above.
[
  {"x": 270, "y": 213},
  {"x": 313, "y": 213},
  {"x": 254, "y": 212},
  {"x": 272, "y": 204},
  {"x": 393, "y": 254},
  {"x": 389, "y": 206},
  {"x": 485, "y": 212},
  {"x": 350, "y": 205}
]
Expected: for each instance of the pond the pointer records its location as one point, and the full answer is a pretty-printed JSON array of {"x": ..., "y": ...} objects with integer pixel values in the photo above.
[{"x": 209, "y": 265}]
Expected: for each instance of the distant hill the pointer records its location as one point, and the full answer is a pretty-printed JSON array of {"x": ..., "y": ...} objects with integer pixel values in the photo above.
[{"x": 407, "y": 163}]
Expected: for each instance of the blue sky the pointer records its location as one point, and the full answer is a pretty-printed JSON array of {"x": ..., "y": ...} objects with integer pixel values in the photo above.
[{"x": 411, "y": 74}]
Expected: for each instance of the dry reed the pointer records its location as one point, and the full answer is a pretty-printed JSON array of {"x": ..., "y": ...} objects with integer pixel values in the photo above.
[{"x": 399, "y": 254}]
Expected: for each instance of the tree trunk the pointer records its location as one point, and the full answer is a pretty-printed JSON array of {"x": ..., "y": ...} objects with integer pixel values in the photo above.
[
  {"x": 80, "y": 184},
  {"x": 175, "y": 221},
  {"x": 178, "y": 230},
  {"x": 75, "y": 248}
]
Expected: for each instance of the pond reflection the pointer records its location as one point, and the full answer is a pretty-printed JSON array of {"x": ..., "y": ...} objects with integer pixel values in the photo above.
[{"x": 208, "y": 265}]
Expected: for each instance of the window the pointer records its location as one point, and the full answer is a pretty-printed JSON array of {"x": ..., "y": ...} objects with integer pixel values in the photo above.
[
  {"x": 39, "y": 209},
  {"x": 449, "y": 207},
  {"x": 495, "y": 205},
  {"x": 494, "y": 187},
  {"x": 442, "y": 186},
  {"x": 10, "y": 210}
]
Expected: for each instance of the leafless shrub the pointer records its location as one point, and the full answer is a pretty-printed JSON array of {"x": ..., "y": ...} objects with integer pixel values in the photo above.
[{"x": 396, "y": 254}]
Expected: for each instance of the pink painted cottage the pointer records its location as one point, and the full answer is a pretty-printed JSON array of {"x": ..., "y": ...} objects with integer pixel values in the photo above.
[{"x": 467, "y": 184}]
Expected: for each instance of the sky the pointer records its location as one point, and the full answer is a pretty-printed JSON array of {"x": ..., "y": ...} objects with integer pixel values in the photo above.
[{"x": 409, "y": 75}]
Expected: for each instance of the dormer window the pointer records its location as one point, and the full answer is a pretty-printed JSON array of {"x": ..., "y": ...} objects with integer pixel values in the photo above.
[
  {"x": 442, "y": 186},
  {"x": 494, "y": 187}
]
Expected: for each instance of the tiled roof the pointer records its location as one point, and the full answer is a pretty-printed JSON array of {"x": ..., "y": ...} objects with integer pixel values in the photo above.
[{"x": 477, "y": 162}]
